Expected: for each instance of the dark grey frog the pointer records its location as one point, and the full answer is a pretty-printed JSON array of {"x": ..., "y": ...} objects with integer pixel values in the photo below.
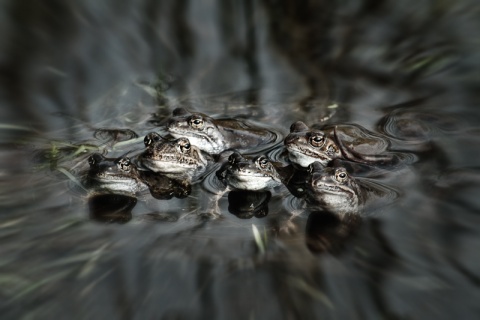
[
  {"x": 177, "y": 156},
  {"x": 217, "y": 135},
  {"x": 342, "y": 141},
  {"x": 334, "y": 190},
  {"x": 113, "y": 175},
  {"x": 244, "y": 173}
]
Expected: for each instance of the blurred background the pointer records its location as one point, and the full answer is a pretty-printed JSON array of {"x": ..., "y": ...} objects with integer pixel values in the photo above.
[{"x": 408, "y": 69}]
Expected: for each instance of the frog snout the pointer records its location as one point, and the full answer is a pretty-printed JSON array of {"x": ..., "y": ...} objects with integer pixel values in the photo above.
[
  {"x": 290, "y": 139},
  {"x": 171, "y": 123},
  {"x": 319, "y": 180}
]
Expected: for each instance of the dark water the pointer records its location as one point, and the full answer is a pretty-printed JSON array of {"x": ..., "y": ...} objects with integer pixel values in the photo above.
[{"x": 406, "y": 69}]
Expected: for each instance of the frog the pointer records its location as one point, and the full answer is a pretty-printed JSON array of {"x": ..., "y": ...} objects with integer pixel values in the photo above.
[
  {"x": 246, "y": 173},
  {"x": 113, "y": 175},
  {"x": 334, "y": 190},
  {"x": 340, "y": 141},
  {"x": 176, "y": 156},
  {"x": 215, "y": 135}
]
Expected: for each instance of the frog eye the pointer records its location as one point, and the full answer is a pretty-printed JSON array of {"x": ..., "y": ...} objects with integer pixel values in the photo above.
[
  {"x": 196, "y": 122},
  {"x": 151, "y": 138},
  {"x": 124, "y": 164},
  {"x": 235, "y": 158},
  {"x": 317, "y": 140},
  {"x": 94, "y": 159},
  {"x": 184, "y": 145},
  {"x": 341, "y": 175},
  {"x": 263, "y": 162}
]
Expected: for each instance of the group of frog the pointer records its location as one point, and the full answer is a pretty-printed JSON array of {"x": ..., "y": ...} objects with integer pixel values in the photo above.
[{"x": 315, "y": 162}]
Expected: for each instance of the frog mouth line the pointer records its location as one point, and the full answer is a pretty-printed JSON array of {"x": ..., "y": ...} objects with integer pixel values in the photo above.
[
  {"x": 305, "y": 152},
  {"x": 250, "y": 174},
  {"x": 330, "y": 188},
  {"x": 116, "y": 183},
  {"x": 179, "y": 134},
  {"x": 172, "y": 159},
  {"x": 112, "y": 178},
  {"x": 242, "y": 174}
]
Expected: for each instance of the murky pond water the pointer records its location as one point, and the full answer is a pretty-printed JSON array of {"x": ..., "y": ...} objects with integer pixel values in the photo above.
[{"x": 87, "y": 78}]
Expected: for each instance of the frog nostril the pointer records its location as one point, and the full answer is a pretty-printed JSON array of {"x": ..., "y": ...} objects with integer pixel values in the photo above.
[{"x": 318, "y": 182}]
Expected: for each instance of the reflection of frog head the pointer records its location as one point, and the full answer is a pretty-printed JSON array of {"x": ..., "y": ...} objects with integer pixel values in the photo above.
[
  {"x": 113, "y": 174},
  {"x": 306, "y": 145},
  {"x": 199, "y": 128},
  {"x": 111, "y": 208},
  {"x": 249, "y": 174},
  {"x": 333, "y": 189},
  {"x": 177, "y": 156},
  {"x": 247, "y": 204}
]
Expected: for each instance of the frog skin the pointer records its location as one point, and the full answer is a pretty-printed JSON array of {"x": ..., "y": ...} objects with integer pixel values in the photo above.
[
  {"x": 253, "y": 174},
  {"x": 171, "y": 157},
  {"x": 334, "y": 190},
  {"x": 346, "y": 141},
  {"x": 113, "y": 175},
  {"x": 217, "y": 135}
]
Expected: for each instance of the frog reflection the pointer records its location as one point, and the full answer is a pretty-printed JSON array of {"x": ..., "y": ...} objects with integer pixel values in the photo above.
[
  {"x": 111, "y": 208},
  {"x": 327, "y": 232},
  {"x": 247, "y": 204},
  {"x": 217, "y": 135},
  {"x": 171, "y": 157},
  {"x": 345, "y": 141},
  {"x": 164, "y": 187},
  {"x": 241, "y": 173}
]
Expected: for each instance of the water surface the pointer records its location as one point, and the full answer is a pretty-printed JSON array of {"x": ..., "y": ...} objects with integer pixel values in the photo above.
[{"x": 409, "y": 71}]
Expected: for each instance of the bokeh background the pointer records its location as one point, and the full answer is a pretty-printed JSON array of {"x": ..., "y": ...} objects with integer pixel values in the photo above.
[{"x": 407, "y": 68}]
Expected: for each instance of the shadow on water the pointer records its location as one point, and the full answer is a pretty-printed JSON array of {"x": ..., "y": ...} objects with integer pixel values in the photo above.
[{"x": 81, "y": 78}]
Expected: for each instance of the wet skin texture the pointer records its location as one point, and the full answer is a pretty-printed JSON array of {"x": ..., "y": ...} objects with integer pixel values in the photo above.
[
  {"x": 177, "y": 156},
  {"x": 347, "y": 141},
  {"x": 249, "y": 173},
  {"x": 216, "y": 135}
]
